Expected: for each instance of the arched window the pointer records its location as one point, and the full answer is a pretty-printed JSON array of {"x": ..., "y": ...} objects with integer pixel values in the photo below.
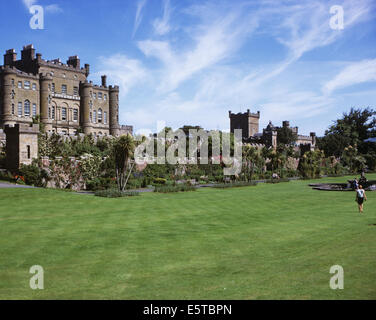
[
  {"x": 94, "y": 116},
  {"x": 99, "y": 115},
  {"x": 27, "y": 108}
]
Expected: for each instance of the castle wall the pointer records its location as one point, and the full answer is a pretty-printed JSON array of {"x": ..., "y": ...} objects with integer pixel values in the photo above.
[{"x": 56, "y": 92}]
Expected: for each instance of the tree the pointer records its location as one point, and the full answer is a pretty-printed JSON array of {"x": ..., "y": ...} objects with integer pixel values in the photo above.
[
  {"x": 123, "y": 151},
  {"x": 310, "y": 164},
  {"x": 352, "y": 129},
  {"x": 285, "y": 135}
]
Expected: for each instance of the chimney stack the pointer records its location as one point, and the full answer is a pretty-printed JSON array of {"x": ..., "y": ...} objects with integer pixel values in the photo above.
[
  {"x": 104, "y": 81},
  {"x": 74, "y": 62},
  {"x": 10, "y": 57},
  {"x": 28, "y": 53}
]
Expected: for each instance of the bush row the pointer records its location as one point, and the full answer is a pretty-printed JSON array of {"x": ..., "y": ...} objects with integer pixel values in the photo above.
[
  {"x": 177, "y": 188},
  {"x": 114, "y": 193}
]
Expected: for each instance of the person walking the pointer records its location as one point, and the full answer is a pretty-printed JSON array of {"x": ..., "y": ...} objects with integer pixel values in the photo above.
[{"x": 360, "y": 198}]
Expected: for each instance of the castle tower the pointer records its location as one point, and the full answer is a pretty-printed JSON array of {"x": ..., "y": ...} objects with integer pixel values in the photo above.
[
  {"x": 45, "y": 98},
  {"x": 114, "y": 110},
  {"x": 86, "y": 106},
  {"x": 248, "y": 122},
  {"x": 8, "y": 95},
  {"x": 21, "y": 144}
]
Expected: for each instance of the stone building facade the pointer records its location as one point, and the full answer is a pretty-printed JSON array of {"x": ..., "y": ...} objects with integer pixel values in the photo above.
[
  {"x": 249, "y": 123},
  {"x": 60, "y": 94},
  {"x": 21, "y": 144}
]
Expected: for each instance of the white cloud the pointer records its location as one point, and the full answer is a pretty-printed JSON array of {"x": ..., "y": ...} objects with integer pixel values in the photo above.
[
  {"x": 29, "y": 3},
  {"x": 123, "y": 71},
  {"x": 162, "y": 25},
  {"x": 357, "y": 72},
  {"x": 213, "y": 42},
  {"x": 199, "y": 75},
  {"x": 138, "y": 17},
  {"x": 51, "y": 8}
]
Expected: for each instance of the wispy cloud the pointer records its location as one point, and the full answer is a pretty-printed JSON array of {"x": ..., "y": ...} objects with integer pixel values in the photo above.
[
  {"x": 357, "y": 72},
  {"x": 162, "y": 25},
  {"x": 205, "y": 65},
  {"x": 122, "y": 70},
  {"x": 29, "y": 3},
  {"x": 139, "y": 15},
  {"x": 213, "y": 41},
  {"x": 51, "y": 8}
]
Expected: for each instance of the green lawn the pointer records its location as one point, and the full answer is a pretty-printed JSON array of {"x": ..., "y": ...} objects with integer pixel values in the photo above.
[{"x": 264, "y": 242}]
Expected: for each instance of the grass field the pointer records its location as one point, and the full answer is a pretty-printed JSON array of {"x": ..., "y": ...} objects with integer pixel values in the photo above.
[{"x": 264, "y": 242}]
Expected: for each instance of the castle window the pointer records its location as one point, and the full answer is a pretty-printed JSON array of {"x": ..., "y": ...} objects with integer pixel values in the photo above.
[
  {"x": 105, "y": 97},
  {"x": 53, "y": 113},
  {"x": 99, "y": 115},
  {"x": 34, "y": 86},
  {"x": 12, "y": 82},
  {"x": 20, "y": 84},
  {"x": 105, "y": 117},
  {"x": 75, "y": 114},
  {"x": 95, "y": 95},
  {"x": 100, "y": 95},
  {"x": 27, "y": 108},
  {"x": 63, "y": 113},
  {"x": 34, "y": 109},
  {"x": 19, "y": 109},
  {"x": 94, "y": 116},
  {"x": 75, "y": 91},
  {"x": 28, "y": 152},
  {"x": 53, "y": 87},
  {"x": 49, "y": 113},
  {"x": 64, "y": 89},
  {"x": 91, "y": 117},
  {"x": 12, "y": 108},
  {"x": 27, "y": 85}
]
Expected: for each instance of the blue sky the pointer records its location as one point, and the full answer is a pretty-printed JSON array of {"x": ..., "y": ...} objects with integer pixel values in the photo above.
[{"x": 189, "y": 62}]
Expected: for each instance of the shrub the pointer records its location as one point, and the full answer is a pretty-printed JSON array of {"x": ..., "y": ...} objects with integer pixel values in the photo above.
[
  {"x": 159, "y": 181},
  {"x": 6, "y": 176},
  {"x": 277, "y": 180},
  {"x": 33, "y": 175},
  {"x": 235, "y": 184},
  {"x": 114, "y": 193},
  {"x": 176, "y": 188}
]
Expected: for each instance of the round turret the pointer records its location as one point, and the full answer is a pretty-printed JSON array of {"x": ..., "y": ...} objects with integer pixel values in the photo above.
[
  {"x": 114, "y": 110},
  {"x": 86, "y": 103},
  {"x": 45, "y": 100}
]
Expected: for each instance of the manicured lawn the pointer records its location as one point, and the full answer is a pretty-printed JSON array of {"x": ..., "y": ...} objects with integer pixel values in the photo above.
[{"x": 264, "y": 242}]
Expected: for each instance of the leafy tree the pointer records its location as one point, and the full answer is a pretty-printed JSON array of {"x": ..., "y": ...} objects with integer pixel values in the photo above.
[
  {"x": 285, "y": 135},
  {"x": 352, "y": 129},
  {"x": 123, "y": 150}
]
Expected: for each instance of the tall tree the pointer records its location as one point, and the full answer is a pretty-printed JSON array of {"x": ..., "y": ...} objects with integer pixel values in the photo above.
[
  {"x": 285, "y": 135},
  {"x": 351, "y": 130},
  {"x": 122, "y": 151}
]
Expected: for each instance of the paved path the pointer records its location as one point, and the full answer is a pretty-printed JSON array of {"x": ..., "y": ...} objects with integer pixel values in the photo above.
[{"x": 4, "y": 185}]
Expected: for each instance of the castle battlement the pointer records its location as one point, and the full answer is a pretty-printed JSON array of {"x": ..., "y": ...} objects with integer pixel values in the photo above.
[{"x": 58, "y": 93}]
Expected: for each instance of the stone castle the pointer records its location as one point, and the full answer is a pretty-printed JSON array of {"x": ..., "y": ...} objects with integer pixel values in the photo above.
[
  {"x": 60, "y": 94},
  {"x": 249, "y": 123}
]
